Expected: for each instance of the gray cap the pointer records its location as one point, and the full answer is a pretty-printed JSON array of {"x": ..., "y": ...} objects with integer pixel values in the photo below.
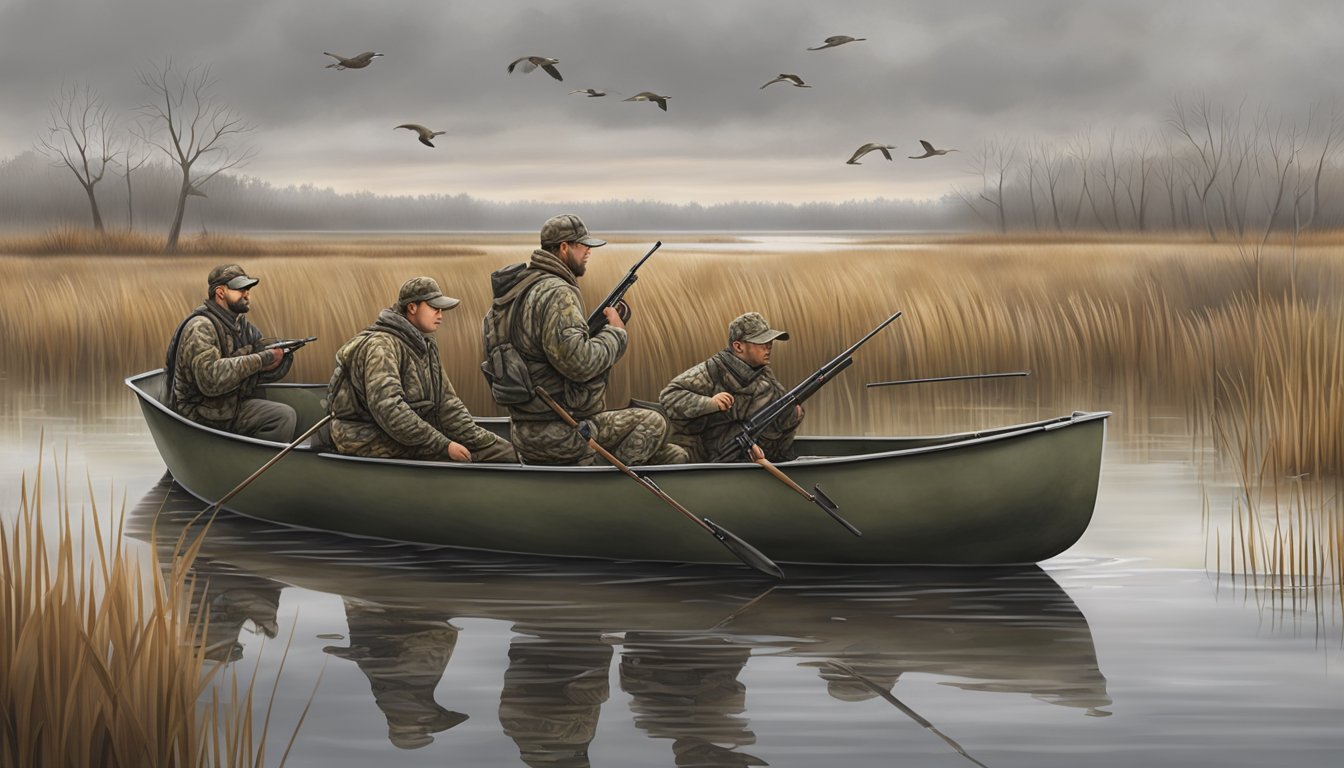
[
  {"x": 426, "y": 290},
  {"x": 753, "y": 329},
  {"x": 231, "y": 275},
  {"x": 567, "y": 228}
]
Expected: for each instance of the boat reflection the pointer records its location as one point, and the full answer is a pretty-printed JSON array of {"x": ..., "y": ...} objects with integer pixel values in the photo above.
[{"x": 680, "y": 635}]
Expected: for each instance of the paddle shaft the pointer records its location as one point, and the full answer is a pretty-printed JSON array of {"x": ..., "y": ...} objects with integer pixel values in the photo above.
[
  {"x": 284, "y": 452},
  {"x": 741, "y": 549},
  {"x": 785, "y": 479},
  {"x": 948, "y": 378}
]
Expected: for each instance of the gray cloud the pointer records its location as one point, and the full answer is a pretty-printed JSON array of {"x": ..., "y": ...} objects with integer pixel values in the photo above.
[{"x": 954, "y": 72}]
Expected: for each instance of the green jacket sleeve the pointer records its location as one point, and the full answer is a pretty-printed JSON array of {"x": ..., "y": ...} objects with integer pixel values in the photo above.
[
  {"x": 689, "y": 395},
  {"x": 457, "y": 421}
]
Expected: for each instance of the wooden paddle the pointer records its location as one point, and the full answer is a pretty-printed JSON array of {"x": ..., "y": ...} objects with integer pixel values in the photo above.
[
  {"x": 819, "y": 498},
  {"x": 284, "y": 452},
  {"x": 743, "y": 551}
]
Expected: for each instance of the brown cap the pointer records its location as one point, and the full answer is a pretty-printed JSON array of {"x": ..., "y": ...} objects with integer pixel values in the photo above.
[
  {"x": 231, "y": 275},
  {"x": 567, "y": 228},
  {"x": 424, "y": 289},
  {"x": 753, "y": 329}
]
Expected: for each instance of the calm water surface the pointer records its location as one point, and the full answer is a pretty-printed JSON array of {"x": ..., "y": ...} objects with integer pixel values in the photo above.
[{"x": 1124, "y": 651}]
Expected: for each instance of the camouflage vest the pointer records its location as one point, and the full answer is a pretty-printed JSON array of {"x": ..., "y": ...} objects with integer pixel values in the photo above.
[{"x": 233, "y": 341}]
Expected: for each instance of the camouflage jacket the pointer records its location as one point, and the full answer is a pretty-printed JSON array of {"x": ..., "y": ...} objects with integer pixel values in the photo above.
[
  {"x": 550, "y": 331},
  {"x": 391, "y": 399},
  {"x": 703, "y": 430},
  {"x": 215, "y": 365}
]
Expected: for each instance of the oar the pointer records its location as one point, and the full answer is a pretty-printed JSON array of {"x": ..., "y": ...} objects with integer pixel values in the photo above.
[
  {"x": 912, "y": 714},
  {"x": 819, "y": 498},
  {"x": 284, "y": 452},
  {"x": 740, "y": 549},
  {"x": 949, "y": 378}
]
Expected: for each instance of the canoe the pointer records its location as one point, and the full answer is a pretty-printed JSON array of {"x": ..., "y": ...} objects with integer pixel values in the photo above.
[
  {"x": 1009, "y": 629},
  {"x": 1009, "y": 495}
]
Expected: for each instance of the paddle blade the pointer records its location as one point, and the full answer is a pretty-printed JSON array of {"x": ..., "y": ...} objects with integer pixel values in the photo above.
[
  {"x": 822, "y": 500},
  {"x": 744, "y": 551}
]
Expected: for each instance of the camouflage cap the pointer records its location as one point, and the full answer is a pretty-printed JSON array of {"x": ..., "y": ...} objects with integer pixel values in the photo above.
[
  {"x": 753, "y": 329},
  {"x": 231, "y": 275},
  {"x": 426, "y": 290},
  {"x": 567, "y": 228}
]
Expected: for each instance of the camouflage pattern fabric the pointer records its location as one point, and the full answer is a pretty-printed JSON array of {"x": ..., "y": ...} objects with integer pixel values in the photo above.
[
  {"x": 633, "y": 435},
  {"x": 551, "y": 333},
  {"x": 391, "y": 399},
  {"x": 216, "y": 367},
  {"x": 698, "y": 425}
]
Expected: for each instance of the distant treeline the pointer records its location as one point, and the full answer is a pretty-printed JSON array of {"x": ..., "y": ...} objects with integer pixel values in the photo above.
[
  {"x": 34, "y": 195},
  {"x": 1229, "y": 173}
]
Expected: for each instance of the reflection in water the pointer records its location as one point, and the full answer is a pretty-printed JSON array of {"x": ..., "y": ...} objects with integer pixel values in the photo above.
[
  {"x": 685, "y": 688},
  {"x": 403, "y": 652},
  {"x": 553, "y": 693},
  {"x": 685, "y": 634}
]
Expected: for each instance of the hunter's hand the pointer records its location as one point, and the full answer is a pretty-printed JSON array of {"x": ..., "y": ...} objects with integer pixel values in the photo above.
[
  {"x": 276, "y": 356},
  {"x": 458, "y": 452},
  {"x": 723, "y": 400},
  {"x": 613, "y": 317},
  {"x": 756, "y": 454}
]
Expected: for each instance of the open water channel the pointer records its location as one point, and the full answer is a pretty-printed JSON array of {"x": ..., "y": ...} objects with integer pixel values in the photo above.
[{"x": 1125, "y": 650}]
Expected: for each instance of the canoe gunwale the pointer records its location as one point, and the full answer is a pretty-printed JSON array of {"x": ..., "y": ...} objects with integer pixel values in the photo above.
[{"x": 950, "y": 441}]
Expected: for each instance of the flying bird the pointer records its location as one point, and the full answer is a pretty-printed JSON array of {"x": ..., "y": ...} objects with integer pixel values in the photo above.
[
  {"x": 661, "y": 101},
  {"x": 835, "y": 40},
  {"x": 425, "y": 133},
  {"x": 590, "y": 92},
  {"x": 794, "y": 80},
  {"x": 354, "y": 62},
  {"x": 532, "y": 62},
  {"x": 870, "y": 147},
  {"x": 929, "y": 151}
]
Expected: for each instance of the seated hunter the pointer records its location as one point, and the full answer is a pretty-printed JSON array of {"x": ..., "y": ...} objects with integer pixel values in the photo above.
[
  {"x": 217, "y": 359},
  {"x": 707, "y": 404},
  {"x": 389, "y": 395}
]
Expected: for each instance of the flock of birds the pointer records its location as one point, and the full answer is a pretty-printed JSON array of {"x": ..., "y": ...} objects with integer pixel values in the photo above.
[{"x": 547, "y": 64}]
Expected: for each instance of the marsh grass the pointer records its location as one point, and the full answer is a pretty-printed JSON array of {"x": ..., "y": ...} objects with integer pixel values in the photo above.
[
  {"x": 1243, "y": 342},
  {"x": 101, "y": 660}
]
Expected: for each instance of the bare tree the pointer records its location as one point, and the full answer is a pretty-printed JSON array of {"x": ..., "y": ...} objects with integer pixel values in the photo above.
[
  {"x": 1080, "y": 149},
  {"x": 81, "y": 138},
  {"x": 1334, "y": 129},
  {"x": 1141, "y": 168},
  {"x": 1209, "y": 142},
  {"x": 992, "y": 162},
  {"x": 133, "y": 157},
  {"x": 193, "y": 128},
  {"x": 1052, "y": 166}
]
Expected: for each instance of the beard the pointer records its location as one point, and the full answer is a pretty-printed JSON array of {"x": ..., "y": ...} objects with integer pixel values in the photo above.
[
  {"x": 240, "y": 306},
  {"x": 577, "y": 266}
]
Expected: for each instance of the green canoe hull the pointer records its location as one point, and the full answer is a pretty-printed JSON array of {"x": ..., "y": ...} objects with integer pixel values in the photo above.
[{"x": 1010, "y": 495}]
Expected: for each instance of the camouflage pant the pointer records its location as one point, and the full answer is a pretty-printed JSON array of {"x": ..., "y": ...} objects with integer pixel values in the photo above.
[
  {"x": 266, "y": 420},
  {"x": 634, "y": 435}
]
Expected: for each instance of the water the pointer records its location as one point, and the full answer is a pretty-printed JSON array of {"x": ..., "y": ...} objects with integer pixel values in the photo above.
[{"x": 1123, "y": 651}]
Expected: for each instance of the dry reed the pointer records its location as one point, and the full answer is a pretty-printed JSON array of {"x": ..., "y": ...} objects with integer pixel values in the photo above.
[
  {"x": 1140, "y": 326},
  {"x": 101, "y": 662}
]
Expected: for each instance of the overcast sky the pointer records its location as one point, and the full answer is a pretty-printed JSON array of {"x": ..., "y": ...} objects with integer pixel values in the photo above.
[{"x": 956, "y": 73}]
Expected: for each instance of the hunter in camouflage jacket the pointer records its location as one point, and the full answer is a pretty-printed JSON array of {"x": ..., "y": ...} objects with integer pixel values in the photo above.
[
  {"x": 706, "y": 432},
  {"x": 216, "y": 363},
  {"x": 391, "y": 399},
  {"x": 550, "y": 331}
]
